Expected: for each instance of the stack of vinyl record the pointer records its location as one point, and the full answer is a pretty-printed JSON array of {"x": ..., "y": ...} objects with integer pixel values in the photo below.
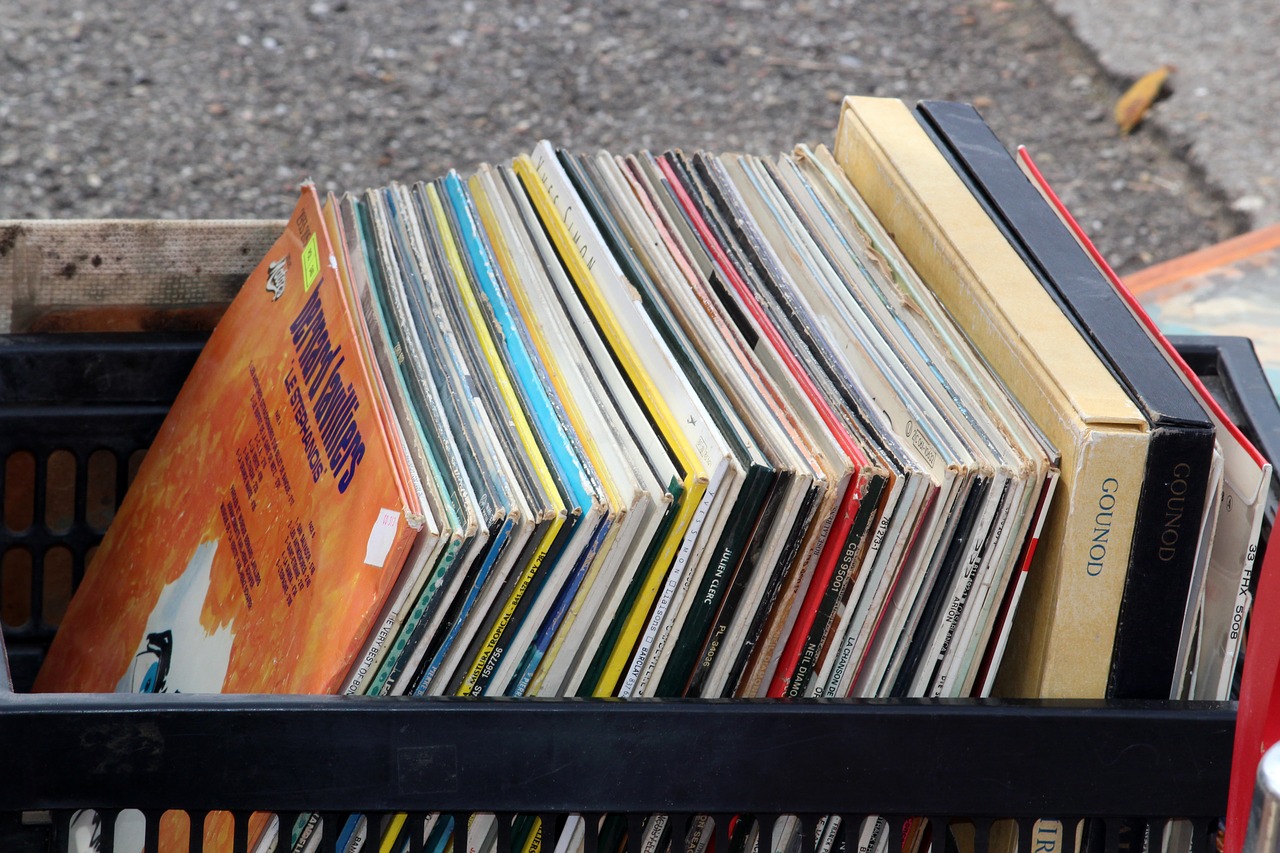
[{"x": 691, "y": 425}]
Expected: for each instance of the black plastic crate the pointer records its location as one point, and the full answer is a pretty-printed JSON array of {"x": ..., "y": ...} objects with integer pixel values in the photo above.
[{"x": 75, "y": 412}]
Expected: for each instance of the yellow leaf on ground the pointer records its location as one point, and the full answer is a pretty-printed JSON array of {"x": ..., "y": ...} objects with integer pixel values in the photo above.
[{"x": 1133, "y": 104}]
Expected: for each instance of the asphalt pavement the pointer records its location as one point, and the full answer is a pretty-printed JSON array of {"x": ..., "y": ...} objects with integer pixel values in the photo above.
[
  {"x": 1220, "y": 112},
  {"x": 218, "y": 109}
]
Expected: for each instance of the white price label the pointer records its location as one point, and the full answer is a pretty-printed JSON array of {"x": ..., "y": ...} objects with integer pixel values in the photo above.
[{"x": 381, "y": 537}]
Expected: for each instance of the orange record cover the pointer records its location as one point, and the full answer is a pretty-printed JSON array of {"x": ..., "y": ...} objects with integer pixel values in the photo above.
[{"x": 268, "y": 521}]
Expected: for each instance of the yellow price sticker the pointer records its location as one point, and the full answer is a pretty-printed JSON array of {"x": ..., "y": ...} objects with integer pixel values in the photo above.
[{"x": 310, "y": 263}]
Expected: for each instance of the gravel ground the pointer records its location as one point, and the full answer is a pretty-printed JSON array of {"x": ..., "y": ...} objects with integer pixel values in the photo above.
[{"x": 217, "y": 110}]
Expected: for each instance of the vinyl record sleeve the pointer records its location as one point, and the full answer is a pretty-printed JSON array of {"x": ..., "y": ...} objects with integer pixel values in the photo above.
[
  {"x": 661, "y": 387},
  {"x": 570, "y": 340},
  {"x": 750, "y": 596},
  {"x": 388, "y": 316},
  {"x": 1175, "y": 485},
  {"x": 898, "y": 284},
  {"x": 223, "y": 570},
  {"x": 1016, "y": 480},
  {"x": 595, "y": 432},
  {"x": 422, "y": 339},
  {"x": 790, "y": 308},
  {"x": 540, "y": 571},
  {"x": 761, "y": 408},
  {"x": 432, "y": 542},
  {"x": 593, "y": 519},
  {"x": 421, "y": 227},
  {"x": 763, "y": 644},
  {"x": 814, "y": 290},
  {"x": 1246, "y": 497},
  {"x": 629, "y": 232}
]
